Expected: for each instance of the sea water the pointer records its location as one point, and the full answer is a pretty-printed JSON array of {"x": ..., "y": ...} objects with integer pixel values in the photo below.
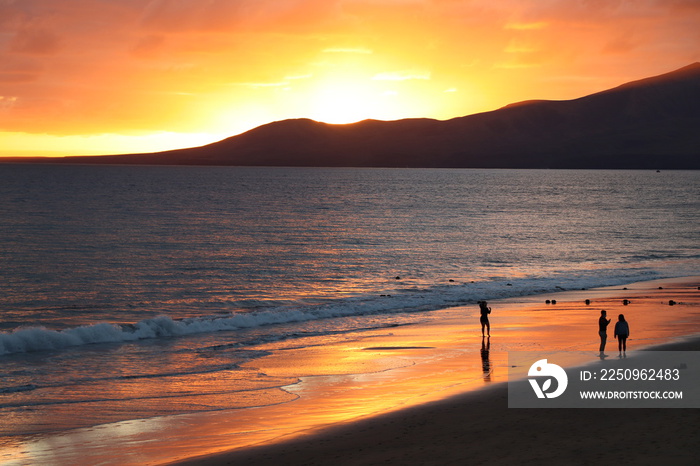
[{"x": 133, "y": 292}]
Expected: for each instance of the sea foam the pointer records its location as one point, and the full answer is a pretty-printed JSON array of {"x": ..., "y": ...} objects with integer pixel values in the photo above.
[{"x": 32, "y": 339}]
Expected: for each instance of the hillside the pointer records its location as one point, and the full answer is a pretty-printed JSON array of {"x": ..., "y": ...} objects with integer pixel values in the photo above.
[{"x": 650, "y": 123}]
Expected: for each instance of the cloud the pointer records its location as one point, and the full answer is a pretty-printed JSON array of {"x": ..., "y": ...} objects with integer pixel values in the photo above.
[
  {"x": 125, "y": 65},
  {"x": 148, "y": 46},
  {"x": 7, "y": 101},
  {"x": 35, "y": 42},
  {"x": 527, "y": 26},
  {"x": 180, "y": 16},
  {"x": 514, "y": 65},
  {"x": 360, "y": 50},
  {"x": 402, "y": 75},
  {"x": 621, "y": 44},
  {"x": 19, "y": 70},
  {"x": 186, "y": 16},
  {"x": 298, "y": 76},
  {"x": 515, "y": 47},
  {"x": 263, "y": 85},
  {"x": 15, "y": 77}
]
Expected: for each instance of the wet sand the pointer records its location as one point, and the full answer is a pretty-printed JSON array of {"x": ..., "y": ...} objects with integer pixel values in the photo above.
[
  {"x": 428, "y": 393},
  {"x": 477, "y": 427}
]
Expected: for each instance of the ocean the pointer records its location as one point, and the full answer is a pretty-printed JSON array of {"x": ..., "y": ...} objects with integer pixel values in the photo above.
[{"x": 131, "y": 292}]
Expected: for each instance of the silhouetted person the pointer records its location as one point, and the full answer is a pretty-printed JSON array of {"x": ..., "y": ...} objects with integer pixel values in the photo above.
[
  {"x": 485, "y": 361},
  {"x": 603, "y": 330},
  {"x": 484, "y": 319},
  {"x": 622, "y": 331}
]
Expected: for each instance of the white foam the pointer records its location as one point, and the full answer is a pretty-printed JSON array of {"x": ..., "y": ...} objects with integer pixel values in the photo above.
[{"x": 42, "y": 339}]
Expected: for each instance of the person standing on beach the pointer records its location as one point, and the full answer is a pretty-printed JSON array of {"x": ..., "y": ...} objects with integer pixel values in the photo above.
[
  {"x": 622, "y": 331},
  {"x": 484, "y": 319},
  {"x": 603, "y": 330}
]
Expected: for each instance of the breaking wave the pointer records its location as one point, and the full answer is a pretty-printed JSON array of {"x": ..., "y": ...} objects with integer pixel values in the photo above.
[{"x": 32, "y": 339}]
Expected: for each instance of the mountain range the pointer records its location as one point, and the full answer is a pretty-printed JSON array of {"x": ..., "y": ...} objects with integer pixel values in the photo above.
[{"x": 652, "y": 123}]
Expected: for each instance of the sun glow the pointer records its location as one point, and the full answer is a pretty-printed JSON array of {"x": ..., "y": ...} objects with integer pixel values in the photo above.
[
  {"x": 348, "y": 100},
  {"x": 152, "y": 76},
  {"x": 343, "y": 102}
]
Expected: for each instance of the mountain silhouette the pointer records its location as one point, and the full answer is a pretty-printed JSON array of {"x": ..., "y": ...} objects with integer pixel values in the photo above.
[{"x": 650, "y": 123}]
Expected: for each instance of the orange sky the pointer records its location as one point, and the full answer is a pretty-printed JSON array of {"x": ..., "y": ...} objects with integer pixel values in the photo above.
[{"x": 115, "y": 76}]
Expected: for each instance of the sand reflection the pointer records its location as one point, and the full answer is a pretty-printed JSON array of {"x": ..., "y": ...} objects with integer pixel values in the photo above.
[{"x": 485, "y": 359}]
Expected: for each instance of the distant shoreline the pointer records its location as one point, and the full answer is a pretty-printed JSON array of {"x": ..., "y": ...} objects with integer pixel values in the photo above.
[{"x": 72, "y": 161}]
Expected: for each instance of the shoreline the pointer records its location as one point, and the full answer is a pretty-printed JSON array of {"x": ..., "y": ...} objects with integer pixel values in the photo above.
[
  {"x": 477, "y": 427},
  {"x": 404, "y": 395}
]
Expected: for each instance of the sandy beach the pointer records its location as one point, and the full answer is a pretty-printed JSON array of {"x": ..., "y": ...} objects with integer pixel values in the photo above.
[
  {"x": 477, "y": 427},
  {"x": 428, "y": 393}
]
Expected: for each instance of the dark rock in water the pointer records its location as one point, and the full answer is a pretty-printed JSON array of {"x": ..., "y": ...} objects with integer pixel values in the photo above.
[
  {"x": 671, "y": 302},
  {"x": 588, "y": 301}
]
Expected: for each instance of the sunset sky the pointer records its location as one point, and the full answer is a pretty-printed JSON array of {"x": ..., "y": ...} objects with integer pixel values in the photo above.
[{"x": 117, "y": 76}]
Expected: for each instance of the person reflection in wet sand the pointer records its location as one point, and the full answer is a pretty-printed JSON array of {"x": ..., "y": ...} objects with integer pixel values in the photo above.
[
  {"x": 485, "y": 361},
  {"x": 484, "y": 319}
]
